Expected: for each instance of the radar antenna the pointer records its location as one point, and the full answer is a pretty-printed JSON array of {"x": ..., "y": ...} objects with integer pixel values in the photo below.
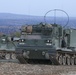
[{"x": 55, "y": 10}]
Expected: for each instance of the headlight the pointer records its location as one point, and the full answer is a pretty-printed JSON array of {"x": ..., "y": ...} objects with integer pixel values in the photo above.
[
  {"x": 43, "y": 53},
  {"x": 28, "y": 52},
  {"x": 47, "y": 56}
]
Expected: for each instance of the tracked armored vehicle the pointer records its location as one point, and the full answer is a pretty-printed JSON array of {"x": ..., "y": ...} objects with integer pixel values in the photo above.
[
  {"x": 7, "y": 49},
  {"x": 47, "y": 42}
]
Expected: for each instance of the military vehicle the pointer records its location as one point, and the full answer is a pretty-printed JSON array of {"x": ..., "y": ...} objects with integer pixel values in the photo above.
[
  {"x": 7, "y": 48},
  {"x": 47, "y": 42}
]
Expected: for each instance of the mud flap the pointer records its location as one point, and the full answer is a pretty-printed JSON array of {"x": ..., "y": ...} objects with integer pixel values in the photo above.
[
  {"x": 21, "y": 59},
  {"x": 53, "y": 59}
]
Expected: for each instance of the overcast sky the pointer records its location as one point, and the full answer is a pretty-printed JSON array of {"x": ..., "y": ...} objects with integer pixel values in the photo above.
[{"x": 37, "y": 7}]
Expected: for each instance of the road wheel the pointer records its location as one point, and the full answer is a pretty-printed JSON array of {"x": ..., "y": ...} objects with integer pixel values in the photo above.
[
  {"x": 60, "y": 59},
  {"x": 68, "y": 60},
  {"x": 75, "y": 60},
  {"x": 57, "y": 55},
  {"x": 72, "y": 60},
  {"x": 13, "y": 56},
  {"x": 7, "y": 56},
  {"x": 64, "y": 60}
]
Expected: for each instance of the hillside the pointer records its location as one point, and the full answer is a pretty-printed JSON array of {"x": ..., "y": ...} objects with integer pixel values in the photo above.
[
  {"x": 12, "y": 22},
  {"x": 18, "y": 19}
]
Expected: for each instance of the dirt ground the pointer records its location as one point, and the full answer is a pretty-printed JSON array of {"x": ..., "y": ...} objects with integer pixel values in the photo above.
[{"x": 35, "y": 69}]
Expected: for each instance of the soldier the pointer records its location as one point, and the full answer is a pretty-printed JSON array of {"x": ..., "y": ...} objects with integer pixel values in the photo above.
[{"x": 63, "y": 43}]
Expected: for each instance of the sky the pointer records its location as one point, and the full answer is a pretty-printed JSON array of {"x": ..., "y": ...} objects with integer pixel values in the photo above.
[{"x": 37, "y": 7}]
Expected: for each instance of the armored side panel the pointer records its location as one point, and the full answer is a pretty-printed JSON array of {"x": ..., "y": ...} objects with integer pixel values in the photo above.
[{"x": 73, "y": 37}]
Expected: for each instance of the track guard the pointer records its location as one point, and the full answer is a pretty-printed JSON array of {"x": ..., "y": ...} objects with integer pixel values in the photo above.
[
  {"x": 21, "y": 59},
  {"x": 53, "y": 59}
]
